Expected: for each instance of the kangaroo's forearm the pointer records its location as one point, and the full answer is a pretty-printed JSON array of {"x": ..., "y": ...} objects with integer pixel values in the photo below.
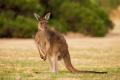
[{"x": 43, "y": 52}]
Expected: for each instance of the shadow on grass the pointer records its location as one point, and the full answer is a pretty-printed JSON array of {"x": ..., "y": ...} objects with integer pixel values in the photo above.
[
  {"x": 88, "y": 72},
  {"x": 93, "y": 72}
]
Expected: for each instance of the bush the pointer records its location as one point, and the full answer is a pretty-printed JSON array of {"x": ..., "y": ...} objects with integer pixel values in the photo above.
[
  {"x": 87, "y": 17},
  {"x": 15, "y": 18},
  {"x": 92, "y": 20},
  {"x": 20, "y": 27}
]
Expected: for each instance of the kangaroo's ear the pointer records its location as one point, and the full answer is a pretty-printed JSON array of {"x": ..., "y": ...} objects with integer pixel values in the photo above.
[
  {"x": 36, "y": 16},
  {"x": 47, "y": 16}
]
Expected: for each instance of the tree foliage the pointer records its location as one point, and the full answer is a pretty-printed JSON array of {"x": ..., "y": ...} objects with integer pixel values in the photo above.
[{"x": 87, "y": 17}]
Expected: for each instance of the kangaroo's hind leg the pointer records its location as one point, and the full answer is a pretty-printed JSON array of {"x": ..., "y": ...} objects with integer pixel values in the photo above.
[{"x": 53, "y": 60}]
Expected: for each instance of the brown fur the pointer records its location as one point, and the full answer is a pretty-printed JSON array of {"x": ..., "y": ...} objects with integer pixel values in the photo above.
[{"x": 53, "y": 46}]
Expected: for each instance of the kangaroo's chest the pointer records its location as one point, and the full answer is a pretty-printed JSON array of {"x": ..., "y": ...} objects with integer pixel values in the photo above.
[{"x": 42, "y": 39}]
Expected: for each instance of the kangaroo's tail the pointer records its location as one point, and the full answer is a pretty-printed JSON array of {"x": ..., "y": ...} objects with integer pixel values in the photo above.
[{"x": 69, "y": 66}]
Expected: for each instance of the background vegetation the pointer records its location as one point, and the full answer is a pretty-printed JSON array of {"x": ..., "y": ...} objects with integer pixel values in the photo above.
[{"x": 88, "y": 17}]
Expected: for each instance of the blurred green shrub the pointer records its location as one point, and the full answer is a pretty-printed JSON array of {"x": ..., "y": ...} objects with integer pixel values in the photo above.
[
  {"x": 91, "y": 20},
  {"x": 20, "y": 27},
  {"x": 87, "y": 17}
]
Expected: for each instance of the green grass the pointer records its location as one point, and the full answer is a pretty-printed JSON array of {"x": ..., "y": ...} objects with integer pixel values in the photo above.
[{"x": 19, "y": 60}]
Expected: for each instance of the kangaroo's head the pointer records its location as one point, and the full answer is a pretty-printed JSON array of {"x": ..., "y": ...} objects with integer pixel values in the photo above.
[{"x": 42, "y": 21}]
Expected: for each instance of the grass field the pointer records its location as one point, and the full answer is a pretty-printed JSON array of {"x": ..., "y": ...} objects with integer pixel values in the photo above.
[{"x": 19, "y": 60}]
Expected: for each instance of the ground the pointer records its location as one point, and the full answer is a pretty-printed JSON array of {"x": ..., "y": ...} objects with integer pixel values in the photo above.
[{"x": 19, "y": 60}]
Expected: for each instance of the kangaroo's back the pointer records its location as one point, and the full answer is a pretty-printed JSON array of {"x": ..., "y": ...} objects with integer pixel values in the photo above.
[{"x": 57, "y": 42}]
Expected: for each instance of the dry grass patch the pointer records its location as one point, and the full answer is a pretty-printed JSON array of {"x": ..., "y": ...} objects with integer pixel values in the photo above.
[{"x": 19, "y": 59}]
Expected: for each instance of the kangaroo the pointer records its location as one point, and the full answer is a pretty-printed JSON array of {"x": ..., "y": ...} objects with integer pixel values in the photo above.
[{"x": 52, "y": 44}]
